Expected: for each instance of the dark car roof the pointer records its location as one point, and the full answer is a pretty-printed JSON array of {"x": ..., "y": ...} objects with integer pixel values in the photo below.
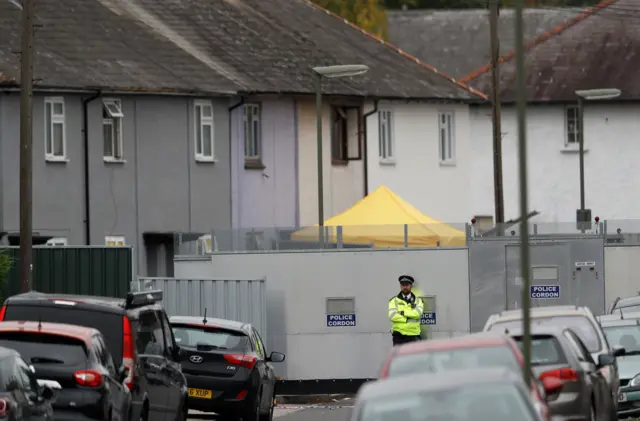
[
  {"x": 110, "y": 304},
  {"x": 474, "y": 340},
  {"x": 434, "y": 381},
  {"x": 59, "y": 329},
  {"x": 211, "y": 322}
]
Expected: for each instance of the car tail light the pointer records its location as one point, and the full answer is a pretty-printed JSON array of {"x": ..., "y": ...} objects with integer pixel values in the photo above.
[
  {"x": 242, "y": 394},
  {"x": 2, "y": 311},
  {"x": 128, "y": 351},
  {"x": 565, "y": 374},
  {"x": 243, "y": 360},
  {"x": 4, "y": 404},
  {"x": 90, "y": 378}
]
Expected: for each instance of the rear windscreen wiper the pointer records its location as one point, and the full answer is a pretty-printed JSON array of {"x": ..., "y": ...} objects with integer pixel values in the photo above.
[{"x": 46, "y": 360}]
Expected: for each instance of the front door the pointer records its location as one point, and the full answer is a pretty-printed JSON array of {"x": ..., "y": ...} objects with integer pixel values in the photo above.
[{"x": 151, "y": 351}]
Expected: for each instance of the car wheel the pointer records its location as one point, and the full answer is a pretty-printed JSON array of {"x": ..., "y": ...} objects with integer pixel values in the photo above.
[
  {"x": 253, "y": 413},
  {"x": 268, "y": 416}
]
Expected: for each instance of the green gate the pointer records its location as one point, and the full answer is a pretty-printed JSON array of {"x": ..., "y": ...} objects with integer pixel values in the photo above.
[{"x": 105, "y": 271}]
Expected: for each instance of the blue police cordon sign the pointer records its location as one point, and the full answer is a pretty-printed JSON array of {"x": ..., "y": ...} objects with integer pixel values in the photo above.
[
  {"x": 428, "y": 318},
  {"x": 341, "y": 320},
  {"x": 544, "y": 292}
]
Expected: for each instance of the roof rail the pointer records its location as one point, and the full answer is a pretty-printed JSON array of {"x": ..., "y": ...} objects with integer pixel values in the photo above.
[{"x": 142, "y": 298}]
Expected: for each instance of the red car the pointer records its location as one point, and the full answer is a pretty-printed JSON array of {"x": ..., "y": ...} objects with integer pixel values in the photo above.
[{"x": 471, "y": 351}]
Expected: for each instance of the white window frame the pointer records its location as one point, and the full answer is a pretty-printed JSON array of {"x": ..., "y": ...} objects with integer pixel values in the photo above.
[
  {"x": 113, "y": 108},
  {"x": 447, "y": 152},
  {"x": 115, "y": 241},
  {"x": 198, "y": 106},
  {"x": 386, "y": 136},
  {"x": 568, "y": 134},
  {"x": 256, "y": 142},
  {"x": 53, "y": 120}
]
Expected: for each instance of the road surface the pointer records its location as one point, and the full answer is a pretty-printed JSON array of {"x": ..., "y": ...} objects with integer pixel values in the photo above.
[{"x": 338, "y": 411}]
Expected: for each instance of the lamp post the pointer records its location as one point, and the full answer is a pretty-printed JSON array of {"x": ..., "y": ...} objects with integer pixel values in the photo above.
[
  {"x": 331, "y": 72},
  {"x": 583, "y": 216}
]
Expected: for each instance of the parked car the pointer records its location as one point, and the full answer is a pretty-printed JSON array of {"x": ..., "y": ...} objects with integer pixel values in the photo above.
[
  {"x": 227, "y": 367},
  {"x": 625, "y": 333},
  {"x": 470, "y": 351},
  {"x": 22, "y": 398},
  {"x": 625, "y": 305},
  {"x": 76, "y": 357},
  {"x": 138, "y": 336},
  {"x": 496, "y": 394},
  {"x": 580, "y": 320},
  {"x": 558, "y": 352}
]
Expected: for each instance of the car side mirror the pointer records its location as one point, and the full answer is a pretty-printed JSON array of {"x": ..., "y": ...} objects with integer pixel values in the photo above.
[
  {"x": 606, "y": 359},
  {"x": 619, "y": 351},
  {"x": 178, "y": 354},
  {"x": 276, "y": 357},
  {"x": 551, "y": 385},
  {"x": 46, "y": 393},
  {"x": 123, "y": 372}
]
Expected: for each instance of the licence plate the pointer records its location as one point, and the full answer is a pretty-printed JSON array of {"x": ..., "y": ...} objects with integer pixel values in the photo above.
[
  {"x": 199, "y": 393},
  {"x": 622, "y": 397}
]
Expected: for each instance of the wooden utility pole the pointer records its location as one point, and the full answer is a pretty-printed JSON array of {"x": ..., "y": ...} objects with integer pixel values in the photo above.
[
  {"x": 498, "y": 195},
  {"x": 26, "y": 142}
]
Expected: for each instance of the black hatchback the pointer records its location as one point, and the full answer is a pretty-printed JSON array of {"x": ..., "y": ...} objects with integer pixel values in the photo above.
[{"x": 227, "y": 368}]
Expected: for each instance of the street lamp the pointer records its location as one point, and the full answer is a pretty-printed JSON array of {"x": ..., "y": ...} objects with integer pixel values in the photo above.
[
  {"x": 345, "y": 70},
  {"x": 583, "y": 216}
]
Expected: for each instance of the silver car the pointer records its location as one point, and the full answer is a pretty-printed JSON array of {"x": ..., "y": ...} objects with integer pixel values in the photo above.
[
  {"x": 625, "y": 305},
  {"x": 558, "y": 352},
  {"x": 496, "y": 394},
  {"x": 580, "y": 320}
]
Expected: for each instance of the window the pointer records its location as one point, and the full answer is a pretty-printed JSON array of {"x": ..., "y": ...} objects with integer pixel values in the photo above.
[
  {"x": 545, "y": 350},
  {"x": 26, "y": 376},
  {"x": 168, "y": 334},
  {"x": 203, "y": 115},
  {"x": 188, "y": 336},
  {"x": 114, "y": 241},
  {"x": 447, "y": 137},
  {"x": 103, "y": 355},
  {"x": 385, "y": 136},
  {"x": 149, "y": 338},
  {"x": 258, "y": 344},
  {"x": 339, "y": 138},
  {"x": 341, "y": 305},
  {"x": 572, "y": 117},
  {"x": 54, "y": 130},
  {"x": 112, "y": 129},
  {"x": 252, "y": 132}
]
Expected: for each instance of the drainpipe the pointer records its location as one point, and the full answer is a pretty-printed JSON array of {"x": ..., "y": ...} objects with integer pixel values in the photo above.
[
  {"x": 231, "y": 144},
  {"x": 365, "y": 149},
  {"x": 85, "y": 133}
]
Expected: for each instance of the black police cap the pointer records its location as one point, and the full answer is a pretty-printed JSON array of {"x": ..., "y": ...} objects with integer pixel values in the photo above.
[{"x": 406, "y": 278}]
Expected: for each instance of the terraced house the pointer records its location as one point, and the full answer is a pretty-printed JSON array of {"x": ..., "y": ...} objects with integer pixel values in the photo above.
[{"x": 156, "y": 118}]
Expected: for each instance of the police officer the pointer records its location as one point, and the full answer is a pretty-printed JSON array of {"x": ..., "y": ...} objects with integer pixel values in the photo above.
[{"x": 405, "y": 311}]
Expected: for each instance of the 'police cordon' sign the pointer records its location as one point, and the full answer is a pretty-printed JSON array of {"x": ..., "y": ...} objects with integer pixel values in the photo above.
[
  {"x": 428, "y": 318},
  {"x": 341, "y": 320},
  {"x": 545, "y": 292}
]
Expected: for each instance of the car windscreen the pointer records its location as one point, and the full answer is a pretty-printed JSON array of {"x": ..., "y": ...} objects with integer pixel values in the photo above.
[
  {"x": 581, "y": 325},
  {"x": 227, "y": 340},
  {"x": 109, "y": 324},
  {"x": 545, "y": 350},
  {"x": 486, "y": 401},
  {"x": 625, "y": 336},
  {"x": 434, "y": 361},
  {"x": 42, "y": 348}
]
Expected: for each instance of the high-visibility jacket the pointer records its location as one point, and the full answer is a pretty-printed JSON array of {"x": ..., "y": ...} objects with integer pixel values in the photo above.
[{"x": 409, "y": 323}]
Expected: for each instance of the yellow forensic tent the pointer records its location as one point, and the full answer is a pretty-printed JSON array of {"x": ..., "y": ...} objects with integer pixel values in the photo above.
[{"x": 380, "y": 218}]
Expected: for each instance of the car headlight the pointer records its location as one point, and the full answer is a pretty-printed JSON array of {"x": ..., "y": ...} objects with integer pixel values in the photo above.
[{"x": 635, "y": 381}]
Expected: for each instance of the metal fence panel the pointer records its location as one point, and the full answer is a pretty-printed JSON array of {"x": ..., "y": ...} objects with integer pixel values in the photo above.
[
  {"x": 241, "y": 300},
  {"x": 105, "y": 271},
  {"x": 621, "y": 271},
  {"x": 574, "y": 264}
]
